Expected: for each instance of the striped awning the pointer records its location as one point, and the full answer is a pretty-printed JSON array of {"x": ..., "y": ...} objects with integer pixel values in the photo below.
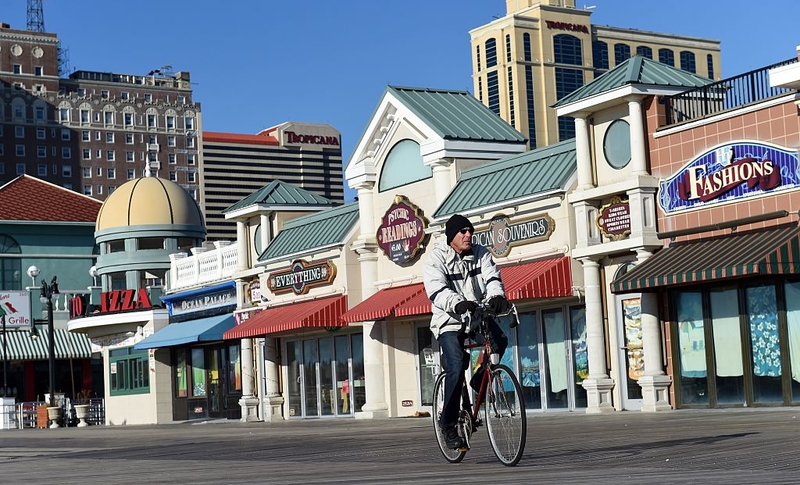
[
  {"x": 384, "y": 303},
  {"x": 549, "y": 278},
  {"x": 21, "y": 346},
  {"x": 773, "y": 251},
  {"x": 321, "y": 313}
]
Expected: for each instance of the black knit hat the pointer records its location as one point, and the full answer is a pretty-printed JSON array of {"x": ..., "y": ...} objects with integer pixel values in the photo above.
[{"x": 456, "y": 223}]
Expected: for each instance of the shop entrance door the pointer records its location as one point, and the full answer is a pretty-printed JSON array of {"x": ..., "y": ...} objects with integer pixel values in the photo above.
[
  {"x": 320, "y": 377},
  {"x": 631, "y": 351}
]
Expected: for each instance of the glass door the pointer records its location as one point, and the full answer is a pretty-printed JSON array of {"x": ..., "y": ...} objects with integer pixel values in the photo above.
[
  {"x": 631, "y": 352},
  {"x": 427, "y": 364},
  {"x": 342, "y": 375},
  {"x": 310, "y": 379}
]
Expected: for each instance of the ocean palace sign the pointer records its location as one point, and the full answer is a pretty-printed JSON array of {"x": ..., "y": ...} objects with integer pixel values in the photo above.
[
  {"x": 301, "y": 277},
  {"x": 501, "y": 235},
  {"x": 730, "y": 172}
]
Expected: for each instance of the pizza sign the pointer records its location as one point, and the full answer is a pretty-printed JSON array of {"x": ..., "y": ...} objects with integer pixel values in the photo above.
[{"x": 402, "y": 231}]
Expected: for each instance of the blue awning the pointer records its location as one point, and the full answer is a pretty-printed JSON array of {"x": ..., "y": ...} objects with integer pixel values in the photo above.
[{"x": 206, "y": 329}]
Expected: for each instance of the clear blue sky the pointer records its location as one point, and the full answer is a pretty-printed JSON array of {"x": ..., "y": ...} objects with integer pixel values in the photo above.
[{"x": 257, "y": 63}]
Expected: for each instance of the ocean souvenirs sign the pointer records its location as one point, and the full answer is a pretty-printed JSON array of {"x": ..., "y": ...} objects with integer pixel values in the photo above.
[
  {"x": 501, "y": 235},
  {"x": 301, "y": 277},
  {"x": 730, "y": 172},
  {"x": 402, "y": 231}
]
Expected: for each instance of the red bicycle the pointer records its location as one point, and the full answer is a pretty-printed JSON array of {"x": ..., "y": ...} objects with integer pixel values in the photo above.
[{"x": 499, "y": 393}]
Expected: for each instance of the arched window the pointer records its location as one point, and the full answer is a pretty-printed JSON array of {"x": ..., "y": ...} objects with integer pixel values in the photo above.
[
  {"x": 10, "y": 267},
  {"x": 491, "y": 53},
  {"x": 600, "y": 54},
  {"x": 644, "y": 51},
  {"x": 666, "y": 56},
  {"x": 622, "y": 52},
  {"x": 403, "y": 166},
  {"x": 567, "y": 50},
  {"x": 687, "y": 62}
]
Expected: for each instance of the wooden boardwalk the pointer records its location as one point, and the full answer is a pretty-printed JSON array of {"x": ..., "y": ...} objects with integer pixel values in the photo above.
[{"x": 675, "y": 447}]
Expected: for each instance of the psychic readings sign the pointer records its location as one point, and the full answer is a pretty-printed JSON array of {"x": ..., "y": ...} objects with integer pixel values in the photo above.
[{"x": 402, "y": 231}]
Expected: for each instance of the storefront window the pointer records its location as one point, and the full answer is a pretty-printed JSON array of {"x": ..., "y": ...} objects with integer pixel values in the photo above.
[
  {"x": 793, "y": 323},
  {"x": 580, "y": 356},
  {"x": 762, "y": 315},
  {"x": 692, "y": 348},
  {"x": 342, "y": 350},
  {"x": 181, "y": 382},
  {"x": 359, "y": 394},
  {"x": 234, "y": 368},
  {"x": 128, "y": 372},
  {"x": 556, "y": 358},
  {"x": 198, "y": 373},
  {"x": 728, "y": 359},
  {"x": 327, "y": 397},
  {"x": 530, "y": 376}
]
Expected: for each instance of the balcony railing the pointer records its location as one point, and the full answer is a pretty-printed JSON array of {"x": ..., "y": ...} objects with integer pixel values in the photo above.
[
  {"x": 727, "y": 94},
  {"x": 203, "y": 266}
]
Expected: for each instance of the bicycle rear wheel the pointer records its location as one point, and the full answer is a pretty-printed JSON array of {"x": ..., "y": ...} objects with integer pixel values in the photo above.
[
  {"x": 506, "y": 421},
  {"x": 451, "y": 455}
]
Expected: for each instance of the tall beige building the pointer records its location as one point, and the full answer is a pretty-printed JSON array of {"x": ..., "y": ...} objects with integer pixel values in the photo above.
[{"x": 540, "y": 51}]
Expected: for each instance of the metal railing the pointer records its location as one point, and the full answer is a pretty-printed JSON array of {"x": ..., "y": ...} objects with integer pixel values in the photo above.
[
  {"x": 25, "y": 415},
  {"x": 727, "y": 94}
]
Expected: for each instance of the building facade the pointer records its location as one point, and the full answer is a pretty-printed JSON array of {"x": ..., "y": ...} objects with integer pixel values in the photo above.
[
  {"x": 93, "y": 131},
  {"x": 541, "y": 51},
  {"x": 46, "y": 232},
  {"x": 306, "y": 155}
]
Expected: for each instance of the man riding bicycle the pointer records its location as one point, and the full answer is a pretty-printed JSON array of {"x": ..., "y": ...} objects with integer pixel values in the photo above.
[{"x": 457, "y": 275}]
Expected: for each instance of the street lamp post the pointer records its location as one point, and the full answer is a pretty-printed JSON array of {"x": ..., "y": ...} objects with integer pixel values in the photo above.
[{"x": 46, "y": 297}]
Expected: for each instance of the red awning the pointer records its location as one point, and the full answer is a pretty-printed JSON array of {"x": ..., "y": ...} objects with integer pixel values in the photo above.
[
  {"x": 384, "y": 303},
  {"x": 548, "y": 278},
  {"x": 325, "y": 312}
]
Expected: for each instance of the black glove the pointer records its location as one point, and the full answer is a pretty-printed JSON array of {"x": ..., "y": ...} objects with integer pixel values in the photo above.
[
  {"x": 499, "y": 305},
  {"x": 465, "y": 306}
]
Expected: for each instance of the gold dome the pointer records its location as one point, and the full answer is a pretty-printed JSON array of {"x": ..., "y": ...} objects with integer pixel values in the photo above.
[{"x": 148, "y": 201}]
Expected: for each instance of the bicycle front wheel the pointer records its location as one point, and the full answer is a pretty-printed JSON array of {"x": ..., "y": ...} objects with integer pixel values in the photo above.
[
  {"x": 451, "y": 455},
  {"x": 506, "y": 421}
]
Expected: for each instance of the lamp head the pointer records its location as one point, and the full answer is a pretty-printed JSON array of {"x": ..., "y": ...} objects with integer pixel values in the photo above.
[{"x": 33, "y": 271}]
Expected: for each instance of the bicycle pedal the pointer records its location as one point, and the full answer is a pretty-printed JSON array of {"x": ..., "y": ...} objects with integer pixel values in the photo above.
[
  {"x": 478, "y": 423},
  {"x": 463, "y": 449}
]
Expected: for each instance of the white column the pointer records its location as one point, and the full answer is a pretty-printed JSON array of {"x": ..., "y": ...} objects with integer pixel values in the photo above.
[
  {"x": 266, "y": 231},
  {"x": 243, "y": 259},
  {"x": 374, "y": 375},
  {"x": 366, "y": 211},
  {"x": 654, "y": 383},
  {"x": 272, "y": 399},
  {"x": 441, "y": 179},
  {"x": 638, "y": 153},
  {"x": 583, "y": 153},
  {"x": 248, "y": 401},
  {"x": 598, "y": 385}
]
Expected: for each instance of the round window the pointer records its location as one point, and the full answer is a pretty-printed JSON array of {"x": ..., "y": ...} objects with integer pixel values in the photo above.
[{"x": 617, "y": 144}]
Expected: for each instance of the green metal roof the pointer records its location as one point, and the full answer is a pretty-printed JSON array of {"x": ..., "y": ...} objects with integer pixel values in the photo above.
[
  {"x": 318, "y": 230},
  {"x": 280, "y": 193},
  {"x": 518, "y": 177},
  {"x": 456, "y": 115},
  {"x": 635, "y": 70}
]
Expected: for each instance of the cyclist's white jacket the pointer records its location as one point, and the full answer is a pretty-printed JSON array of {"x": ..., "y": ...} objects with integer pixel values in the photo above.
[{"x": 451, "y": 279}]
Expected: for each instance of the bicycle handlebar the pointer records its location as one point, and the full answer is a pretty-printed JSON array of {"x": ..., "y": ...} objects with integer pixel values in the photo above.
[{"x": 483, "y": 310}]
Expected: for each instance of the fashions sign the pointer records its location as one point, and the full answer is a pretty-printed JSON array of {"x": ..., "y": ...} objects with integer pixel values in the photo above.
[
  {"x": 730, "y": 172},
  {"x": 301, "y": 277},
  {"x": 501, "y": 235},
  {"x": 402, "y": 231}
]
